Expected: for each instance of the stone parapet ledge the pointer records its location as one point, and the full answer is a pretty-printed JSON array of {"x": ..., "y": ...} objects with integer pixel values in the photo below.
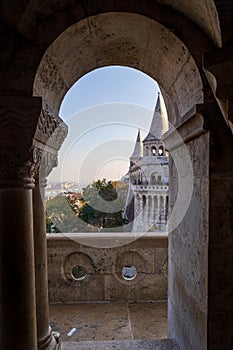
[
  {"x": 136, "y": 239},
  {"x": 92, "y": 267}
]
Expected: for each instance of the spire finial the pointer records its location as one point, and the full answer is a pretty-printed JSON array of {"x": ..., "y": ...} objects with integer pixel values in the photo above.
[
  {"x": 157, "y": 107},
  {"x": 158, "y": 124},
  {"x": 138, "y": 149}
]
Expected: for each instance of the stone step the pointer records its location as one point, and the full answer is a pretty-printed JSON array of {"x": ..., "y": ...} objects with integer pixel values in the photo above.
[{"x": 160, "y": 344}]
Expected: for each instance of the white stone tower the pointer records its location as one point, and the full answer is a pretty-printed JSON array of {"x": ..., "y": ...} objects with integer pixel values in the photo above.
[{"x": 149, "y": 177}]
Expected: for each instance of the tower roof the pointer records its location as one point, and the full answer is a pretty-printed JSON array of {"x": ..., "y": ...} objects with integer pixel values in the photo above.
[
  {"x": 138, "y": 149},
  {"x": 158, "y": 125}
]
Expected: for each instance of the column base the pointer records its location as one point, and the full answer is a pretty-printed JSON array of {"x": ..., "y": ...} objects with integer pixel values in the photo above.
[
  {"x": 50, "y": 342},
  {"x": 56, "y": 336}
]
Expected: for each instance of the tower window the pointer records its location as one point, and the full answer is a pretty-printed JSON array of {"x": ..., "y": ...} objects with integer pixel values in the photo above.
[
  {"x": 153, "y": 151},
  {"x": 161, "y": 151}
]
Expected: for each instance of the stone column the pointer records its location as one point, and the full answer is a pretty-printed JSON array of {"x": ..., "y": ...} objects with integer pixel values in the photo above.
[
  {"x": 18, "y": 120},
  {"x": 138, "y": 205},
  {"x": 153, "y": 211},
  {"x": 146, "y": 221},
  {"x": 164, "y": 210},
  {"x": 46, "y": 339},
  {"x": 156, "y": 209},
  {"x": 135, "y": 207},
  {"x": 159, "y": 209},
  {"x": 50, "y": 134},
  {"x": 141, "y": 209}
]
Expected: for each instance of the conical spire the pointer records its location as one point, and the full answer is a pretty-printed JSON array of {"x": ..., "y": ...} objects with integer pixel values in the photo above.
[
  {"x": 138, "y": 149},
  {"x": 158, "y": 125}
]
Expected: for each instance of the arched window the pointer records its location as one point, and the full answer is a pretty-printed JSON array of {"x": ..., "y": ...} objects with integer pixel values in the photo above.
[
  {"x": 153, "y": 178},
  {"x": 161, "y": 151},
  {"x": 153, "y": 151}
]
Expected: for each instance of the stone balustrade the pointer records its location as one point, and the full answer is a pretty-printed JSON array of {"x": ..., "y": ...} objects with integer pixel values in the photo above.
[
  {"x": 111, "y": 267},
  {"x": 156, "y": 188}
]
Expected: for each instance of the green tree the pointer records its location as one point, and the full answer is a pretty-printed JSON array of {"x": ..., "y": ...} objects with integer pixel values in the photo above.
[
  {"x": 61, "y": 214},
  {"x": 100, "y": 206},
  {"x": 104, "y": 202}
]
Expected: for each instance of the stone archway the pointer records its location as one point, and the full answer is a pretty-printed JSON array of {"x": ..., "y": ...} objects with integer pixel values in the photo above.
[
  {"x": 27, "y": 33},
  {"x": 120, "y": 39},
  {"x": 139, "y": 42}
]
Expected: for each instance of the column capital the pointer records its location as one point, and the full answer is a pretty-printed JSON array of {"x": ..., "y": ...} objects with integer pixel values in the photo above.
[
  {"x": 30, "y": 137},
  {"x": 18, "y": 122},
  {"x": 45, "y": 162},
  {"x": 50, "y": 134}
]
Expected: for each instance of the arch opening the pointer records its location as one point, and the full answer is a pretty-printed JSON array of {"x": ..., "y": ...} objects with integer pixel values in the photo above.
[
  {"x": 180, "y": 81},
  {"x": 118, "y": 39}
]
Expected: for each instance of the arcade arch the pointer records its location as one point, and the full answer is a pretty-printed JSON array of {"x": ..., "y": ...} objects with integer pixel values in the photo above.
[{"x": 119, "y": 39}]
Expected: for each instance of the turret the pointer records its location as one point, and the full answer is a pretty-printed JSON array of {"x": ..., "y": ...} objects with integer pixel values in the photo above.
[
  {"x": 138, "y": 149},
  {"x": 152, "y": 144}
]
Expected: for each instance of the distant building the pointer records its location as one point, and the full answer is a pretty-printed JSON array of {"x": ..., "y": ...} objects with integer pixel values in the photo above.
[{"x": 147, "y": 202}]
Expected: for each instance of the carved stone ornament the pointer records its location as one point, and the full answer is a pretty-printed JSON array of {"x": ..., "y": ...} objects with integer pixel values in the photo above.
[
  {"x": 29, "y": 140},
  {"x": 15, "y": 171},
  {"x": 51, "y": 130},
  {"x": 45, "y": 162},
  {"x": 18, "y": 121}
]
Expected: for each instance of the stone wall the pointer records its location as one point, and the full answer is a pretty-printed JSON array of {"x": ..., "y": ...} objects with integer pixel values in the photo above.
[
  {"x": 103, "y": 280},
  {"x": 188, "y": 242}
]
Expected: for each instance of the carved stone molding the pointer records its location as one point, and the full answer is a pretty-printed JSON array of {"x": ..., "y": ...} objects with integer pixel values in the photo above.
[
  {"x": 18, "y": 121},
  {"x": 45, "y": 162},
  {"x": 50, "y": 134},
  {"x": 29, "y": 140},
  {"x": 219, "y": 73},
  {"x": 190, "y": 129},
  {"x": 51, "y": 130}
]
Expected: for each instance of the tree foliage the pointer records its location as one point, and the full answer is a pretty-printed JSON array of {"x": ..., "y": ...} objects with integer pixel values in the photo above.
[
  {"x": 104, "y": 202},
  {"x": 60, "y": 214},
  {"x": 99, "y": 207}
]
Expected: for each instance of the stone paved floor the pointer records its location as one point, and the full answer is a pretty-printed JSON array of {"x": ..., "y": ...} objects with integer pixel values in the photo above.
[
  {"x": 100, "y": 322},
  {"x": 162, "y": 344}
]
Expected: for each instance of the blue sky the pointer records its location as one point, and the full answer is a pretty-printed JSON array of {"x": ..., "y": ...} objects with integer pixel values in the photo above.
[
  {"x": 110, "y": 84},
  {"x": 103, "y": 111}
]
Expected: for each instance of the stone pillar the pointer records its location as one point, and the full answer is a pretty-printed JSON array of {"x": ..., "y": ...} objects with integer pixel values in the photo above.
[
  {"x": 141, "y": 209},
  {"x": 152, "y": 222},
  {"x": 164, "y": 210},
  {"x": 46, "y": 339},
  {"x": 159, "y": 210},
  {"x": 135, "y": 207},
  {"x": 156, "y": 209},
  {"x": 18, "y": 120},
  {"x": 148, "y": 211},
  {"x": 146, "y": 221},
  {"x": 50, "y": 134},
  {"x": 220, "y": 302},
  {"x": 188, "y": 148},
  {"x": 220, "y": 240},
  {"x": 25, "y": 130}
]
